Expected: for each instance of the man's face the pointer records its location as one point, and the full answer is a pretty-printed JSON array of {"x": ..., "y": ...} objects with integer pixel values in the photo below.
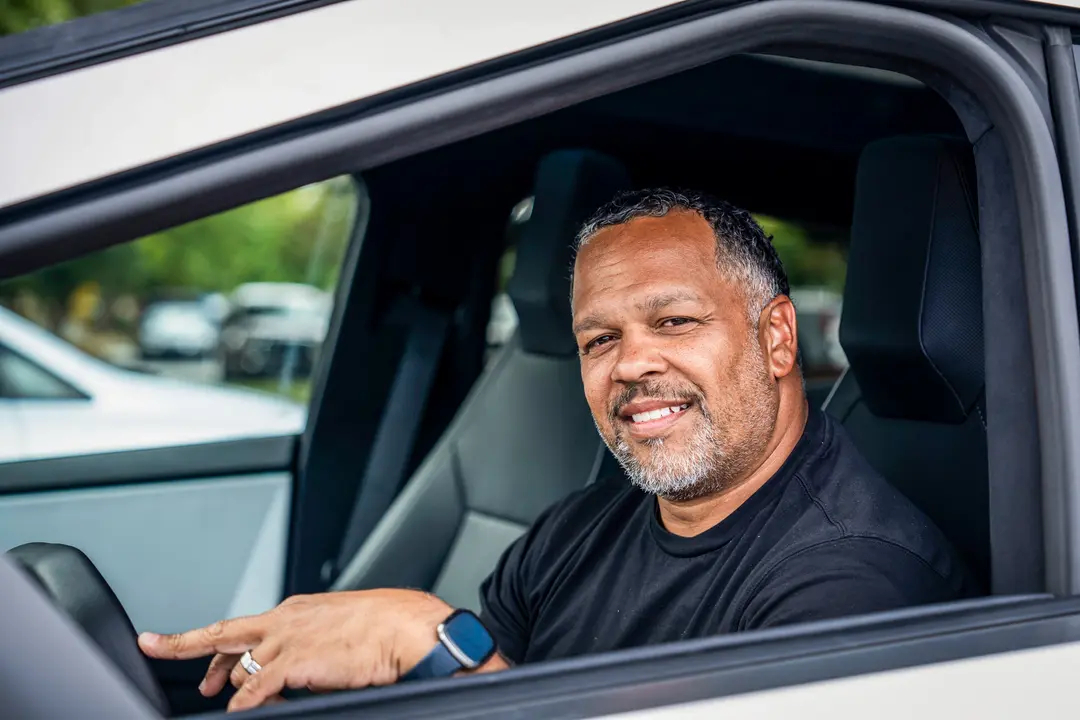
[{"x": 673, "y": 368}]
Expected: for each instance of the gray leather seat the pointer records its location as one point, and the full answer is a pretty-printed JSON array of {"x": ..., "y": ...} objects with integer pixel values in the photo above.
[
  {"x": 912, "y": 329},
  {"x": 524, "y": 438}
]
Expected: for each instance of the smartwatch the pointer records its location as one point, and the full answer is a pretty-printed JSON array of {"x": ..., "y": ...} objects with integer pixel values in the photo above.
[{"x": 464, "y": 644}]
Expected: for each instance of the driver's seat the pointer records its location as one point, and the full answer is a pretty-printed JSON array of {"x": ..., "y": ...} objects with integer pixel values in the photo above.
[
  {"x": 524, "y": 438},
  {"x": 913, "y": 398}
]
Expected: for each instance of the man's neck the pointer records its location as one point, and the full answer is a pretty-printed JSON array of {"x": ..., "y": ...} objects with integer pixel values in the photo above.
[{"x": 692, "y": 517}]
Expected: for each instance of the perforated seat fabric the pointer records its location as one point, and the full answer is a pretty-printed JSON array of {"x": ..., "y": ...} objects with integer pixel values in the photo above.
[
  {"x": 912, "y": 329},
  {"x": 524, "y": 438}
]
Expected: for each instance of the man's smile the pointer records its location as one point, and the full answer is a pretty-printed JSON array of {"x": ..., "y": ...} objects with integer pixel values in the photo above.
[{"x": 651, "y": 418}]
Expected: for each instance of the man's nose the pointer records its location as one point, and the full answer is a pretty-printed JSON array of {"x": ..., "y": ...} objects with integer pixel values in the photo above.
[{"x": 638, "y": 358}]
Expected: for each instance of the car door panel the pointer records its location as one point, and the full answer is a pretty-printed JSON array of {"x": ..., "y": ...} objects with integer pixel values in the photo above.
[
  {"x": 186, "y": 535},
  {"x": 178, "y": 554}
]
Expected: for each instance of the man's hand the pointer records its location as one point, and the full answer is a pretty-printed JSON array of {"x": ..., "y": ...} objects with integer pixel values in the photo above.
[{"x": 333, "y": 641}]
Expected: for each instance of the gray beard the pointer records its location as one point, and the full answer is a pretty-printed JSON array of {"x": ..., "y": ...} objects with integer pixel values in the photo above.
[
  {"x": 675, "y": 475},
  {"x": 708, "y": 463}
]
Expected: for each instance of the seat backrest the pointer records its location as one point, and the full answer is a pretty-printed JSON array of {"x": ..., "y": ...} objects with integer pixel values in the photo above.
[
  {"x": 524, "y": 438},
  {"x": 912, "y": 330}
]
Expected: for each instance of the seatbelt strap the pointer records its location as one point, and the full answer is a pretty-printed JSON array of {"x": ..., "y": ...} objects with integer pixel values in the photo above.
[{"x": 398, "y": 428}]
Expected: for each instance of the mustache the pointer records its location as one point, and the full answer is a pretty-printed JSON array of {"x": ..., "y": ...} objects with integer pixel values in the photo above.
[{"x": 657, "y": 390}]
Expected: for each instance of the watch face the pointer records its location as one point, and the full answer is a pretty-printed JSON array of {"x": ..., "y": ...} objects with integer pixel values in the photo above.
[{"x": 470, "y": 637}]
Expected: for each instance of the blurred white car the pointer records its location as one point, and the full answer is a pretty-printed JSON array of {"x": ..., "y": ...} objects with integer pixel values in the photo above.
[
  {"x": 57, "y": 401},
  {"x": 819, "y": 311},
  {"x": 273, "y": 327},
  {"x": 183, "y": 329}
]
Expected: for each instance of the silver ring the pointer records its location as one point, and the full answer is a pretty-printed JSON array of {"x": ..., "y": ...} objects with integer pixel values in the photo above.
[{"x": 248, "y": 663}]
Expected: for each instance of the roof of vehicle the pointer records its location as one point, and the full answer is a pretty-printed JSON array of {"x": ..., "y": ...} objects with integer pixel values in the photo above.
[{"x": 266, "y": 74}]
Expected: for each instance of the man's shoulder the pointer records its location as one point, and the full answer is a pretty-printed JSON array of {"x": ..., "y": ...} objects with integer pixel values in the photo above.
[{"x": 851, "y": 505}]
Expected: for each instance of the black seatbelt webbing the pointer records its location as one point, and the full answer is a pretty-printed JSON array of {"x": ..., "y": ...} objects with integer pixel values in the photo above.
[{"x": 398, "y": 428}]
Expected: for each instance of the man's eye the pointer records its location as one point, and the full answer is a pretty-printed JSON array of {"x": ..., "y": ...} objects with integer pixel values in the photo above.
[
  {"x": 675, "y": 322},
  {"x": 597, "y": 342}
]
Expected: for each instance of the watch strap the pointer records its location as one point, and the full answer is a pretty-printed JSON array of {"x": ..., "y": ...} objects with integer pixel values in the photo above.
[{"x": 436, "y": 664}]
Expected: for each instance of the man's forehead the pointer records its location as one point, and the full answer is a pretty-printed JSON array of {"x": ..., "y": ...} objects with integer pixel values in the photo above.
[
  {"x": 677, "y": 249},
  {"x": 678, "y": 229}
]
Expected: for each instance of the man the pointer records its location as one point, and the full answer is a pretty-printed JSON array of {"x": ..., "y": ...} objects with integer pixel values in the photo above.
[{"x": 747, "y": 509}]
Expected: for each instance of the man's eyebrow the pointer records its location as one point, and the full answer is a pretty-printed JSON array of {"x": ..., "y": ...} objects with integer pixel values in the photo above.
[
  {"x": 590, "y": 322},
  {"x": 652, "y": 304},
  {"x": 658, "y": 302}
]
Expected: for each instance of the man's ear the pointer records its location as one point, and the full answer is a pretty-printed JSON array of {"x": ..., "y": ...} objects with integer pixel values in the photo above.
[{"x": 780, "y": 336}]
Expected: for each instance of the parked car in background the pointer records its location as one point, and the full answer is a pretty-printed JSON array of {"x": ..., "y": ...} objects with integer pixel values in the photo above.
[
  {"x": 178, "y": 329},
  {"x": 274, "y": 327},
  {"x": 819, "y": 311},
  {"x": 60, "y": 402}
]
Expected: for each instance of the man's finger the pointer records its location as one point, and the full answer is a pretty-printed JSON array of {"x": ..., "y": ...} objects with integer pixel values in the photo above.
[
  {"x": 224, "y": 636},
  {"x": 262, "y": 655},
  {"x": 259, "y": 688},
  {"x": 217, "y": 674}
]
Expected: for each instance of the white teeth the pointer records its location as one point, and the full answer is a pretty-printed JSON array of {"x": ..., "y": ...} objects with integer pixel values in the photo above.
[{"x": 657, "y": 414}]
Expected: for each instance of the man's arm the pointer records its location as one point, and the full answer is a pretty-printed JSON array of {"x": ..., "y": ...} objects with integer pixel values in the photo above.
[
  {"x": 849, "y": 576},
  {"x": 331, "y": 641}
]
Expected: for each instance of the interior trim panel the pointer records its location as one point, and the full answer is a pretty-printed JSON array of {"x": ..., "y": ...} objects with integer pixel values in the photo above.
[{"x": 139, "y": 466}]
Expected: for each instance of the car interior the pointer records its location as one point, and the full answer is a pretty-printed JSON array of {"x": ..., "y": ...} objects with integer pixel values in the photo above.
[{"x": 422, "y": 460}]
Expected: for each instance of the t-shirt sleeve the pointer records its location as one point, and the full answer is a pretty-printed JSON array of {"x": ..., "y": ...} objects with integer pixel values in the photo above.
[
  {"x": 504, "y": 602},
  {"x": 847, "y": 576}
]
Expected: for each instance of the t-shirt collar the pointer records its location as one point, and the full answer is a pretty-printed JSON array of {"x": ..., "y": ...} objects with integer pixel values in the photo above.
[{"x": 731, "y": 526}]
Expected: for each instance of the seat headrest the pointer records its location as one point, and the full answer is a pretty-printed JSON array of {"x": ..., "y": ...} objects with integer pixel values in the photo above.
[
  {"x": 570, "y": 185},
  {"x": 912, "y": 325}
]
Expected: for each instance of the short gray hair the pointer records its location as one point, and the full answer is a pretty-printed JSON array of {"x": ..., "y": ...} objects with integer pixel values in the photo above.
[{"x": 743, "y": 251}]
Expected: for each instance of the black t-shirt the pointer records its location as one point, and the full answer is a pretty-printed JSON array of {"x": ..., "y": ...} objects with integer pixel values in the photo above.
[{"x": 825, "y": 537}]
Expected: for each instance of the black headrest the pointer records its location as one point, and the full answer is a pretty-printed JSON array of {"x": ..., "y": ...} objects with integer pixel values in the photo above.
[
  {"x": 912, "y": 324},
  {"x": 570, "y": 185}
]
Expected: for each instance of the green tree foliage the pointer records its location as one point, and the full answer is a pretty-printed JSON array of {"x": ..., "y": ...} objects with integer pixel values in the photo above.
[
  {"x": 20, "y": 15},
  {"x": 299, "y": 236},
  {"x": 809, "y": 258}
]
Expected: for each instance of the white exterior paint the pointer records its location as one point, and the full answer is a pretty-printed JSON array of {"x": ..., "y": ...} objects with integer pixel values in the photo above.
[
  {"x": 72, "y": 128},
  {"x": 87, "y": 124},
  {"x": 1037, "y": 683}
]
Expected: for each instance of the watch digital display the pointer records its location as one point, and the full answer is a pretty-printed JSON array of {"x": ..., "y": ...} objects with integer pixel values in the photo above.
[{"x": 467, "y": 639}]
